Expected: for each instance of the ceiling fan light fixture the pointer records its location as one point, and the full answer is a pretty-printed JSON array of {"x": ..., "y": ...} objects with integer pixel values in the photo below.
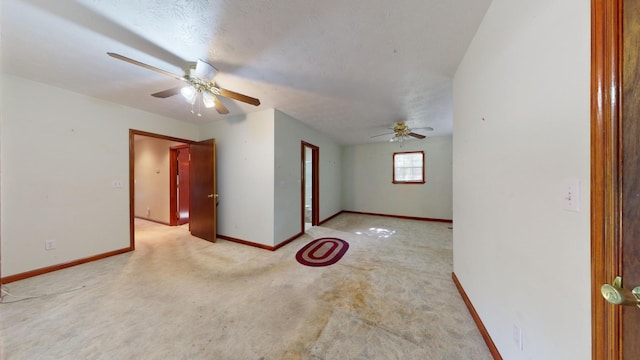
[
  {"x": 208, "y": 100},
  {"x": 204, "y": 71},
  {"x": 189, "y": 93},
  {"x": 200, "y": 80}
]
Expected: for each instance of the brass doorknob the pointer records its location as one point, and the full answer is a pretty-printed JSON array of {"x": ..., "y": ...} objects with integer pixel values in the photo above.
[{"x": 617, "y": 295}]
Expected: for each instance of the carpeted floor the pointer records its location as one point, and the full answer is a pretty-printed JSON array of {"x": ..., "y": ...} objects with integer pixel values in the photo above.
[{"x": 178, "y": 297}]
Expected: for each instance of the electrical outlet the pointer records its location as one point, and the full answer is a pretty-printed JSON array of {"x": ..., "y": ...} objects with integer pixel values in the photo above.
[{"x": 49, "y": 244}]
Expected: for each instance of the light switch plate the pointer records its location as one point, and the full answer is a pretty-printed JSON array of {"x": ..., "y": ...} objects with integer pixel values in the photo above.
[{"x": 49, "y": 244}]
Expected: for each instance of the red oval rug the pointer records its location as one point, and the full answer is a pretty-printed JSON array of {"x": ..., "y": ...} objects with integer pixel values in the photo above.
[{"x": 322, "y": 252}]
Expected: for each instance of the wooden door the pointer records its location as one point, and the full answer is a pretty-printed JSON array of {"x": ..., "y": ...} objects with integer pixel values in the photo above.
[
  {"x": 203, "y": 190},
  {"x": 630, "y": 316},
  {"x": 615, "y": 159}
]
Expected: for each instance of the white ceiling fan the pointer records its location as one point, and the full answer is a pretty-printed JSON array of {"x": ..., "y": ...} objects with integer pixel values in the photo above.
[
  {"x": 200, "y": 84},
  {"x": 401, "y": 132}
]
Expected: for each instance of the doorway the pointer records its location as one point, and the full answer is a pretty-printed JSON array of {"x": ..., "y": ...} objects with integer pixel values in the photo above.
[
  {"x": 310, "y": 156},
  {"x": 150, "y": 178},
  {"x": 179, "y": 158}
]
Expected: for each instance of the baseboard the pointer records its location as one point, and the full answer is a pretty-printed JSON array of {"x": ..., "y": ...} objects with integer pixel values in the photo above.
[
  {"x": 398, "y": 216},
  {"x": 331, "y": 217},
  {"x": 483, "y": 330},
  {"x": 288, "y": 241},
  {"x": 245, "y": 242},
  {"x": 48, "y": 269},
  {"x": 153, "y": 220},
  {"x": 261, "y": 246}
]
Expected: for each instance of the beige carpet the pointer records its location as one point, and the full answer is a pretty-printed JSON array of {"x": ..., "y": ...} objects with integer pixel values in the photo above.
[{"x": 178, "y": 297}]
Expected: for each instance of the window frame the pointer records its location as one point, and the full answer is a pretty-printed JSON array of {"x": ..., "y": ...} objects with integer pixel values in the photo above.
[{"x": 393, "y": 162}]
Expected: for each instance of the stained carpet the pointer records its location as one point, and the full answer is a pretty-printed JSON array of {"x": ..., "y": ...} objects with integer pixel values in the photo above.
[{"x": 179, "y": 297}]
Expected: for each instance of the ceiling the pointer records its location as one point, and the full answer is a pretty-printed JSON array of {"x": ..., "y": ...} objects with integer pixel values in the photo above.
[{"x": 348, "y": 69}]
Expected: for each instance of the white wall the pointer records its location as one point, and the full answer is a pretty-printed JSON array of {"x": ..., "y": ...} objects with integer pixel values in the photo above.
[
  {"x": 152, "y": 177},
  {"x": 289, "y": 133},
  {"x": 368, "y": 187},
  {"x": 521, "y": 127},
  {"x": 245, "y": 175},
  {"x": 258, "y": 173},
  {"x": 59, "y": 159}
]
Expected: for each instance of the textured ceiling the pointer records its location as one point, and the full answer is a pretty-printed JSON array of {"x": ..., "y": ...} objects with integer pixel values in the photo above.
[{"x": 346, "y": 68}]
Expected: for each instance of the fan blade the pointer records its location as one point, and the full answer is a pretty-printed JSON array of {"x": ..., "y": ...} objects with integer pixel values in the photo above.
[
  {"x": 220, "y": 108},
  {"x": 136, "y": 62},
  {"x": 426, "y": 128},
  {"x": 383, "y": 134},
  {"x": 417, "y": 136},
  {"x": 167, "y": 93},
  {"x": 236, "y": 96}
]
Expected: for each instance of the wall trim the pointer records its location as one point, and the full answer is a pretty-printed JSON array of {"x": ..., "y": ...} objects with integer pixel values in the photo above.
[
  {"x": 476, "y": 318},
  {"x": 245, "y": 242},
  {"x": 48, "y": 269},
  {"x": 261, "y": 246},
  {"x": 153, "y": 220},
  {"x": 288, "y": 240},
  {"x": 606, "y": 190},
  {"x": 331, "y": 217},
  {"x": 399, "y": 216}
]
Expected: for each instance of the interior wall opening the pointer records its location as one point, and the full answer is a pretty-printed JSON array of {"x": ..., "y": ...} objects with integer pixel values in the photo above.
[
  {"x": 310, "y": 186},
  {"x": 158, "y": 179}
]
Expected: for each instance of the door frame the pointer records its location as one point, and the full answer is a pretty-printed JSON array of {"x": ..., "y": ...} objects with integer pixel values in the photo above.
[
  {"x": 315, "y": 183},
  {"x": 606, "y": 172},
  {"x": 132, "y": 134}
]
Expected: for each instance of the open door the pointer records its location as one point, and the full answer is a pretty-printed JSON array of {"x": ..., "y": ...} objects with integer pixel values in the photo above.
[
  {"x": 615, "y": 179},
  {"x": 203, "y": 195}
]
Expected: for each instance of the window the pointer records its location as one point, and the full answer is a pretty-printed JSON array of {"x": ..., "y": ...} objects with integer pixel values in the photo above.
[{"x": 408, "y": 167}]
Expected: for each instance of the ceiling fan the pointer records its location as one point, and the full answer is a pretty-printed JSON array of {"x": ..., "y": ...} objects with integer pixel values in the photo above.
[
  {"x": 199, "y": 84},
  {"x": 401, "y": 132}
]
